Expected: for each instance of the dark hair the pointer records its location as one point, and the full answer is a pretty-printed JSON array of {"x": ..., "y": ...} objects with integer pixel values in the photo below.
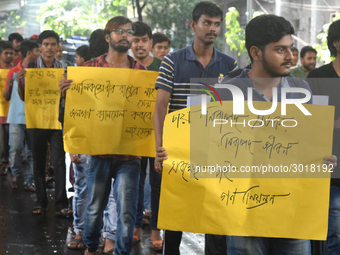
[
  {"x": 306, "y": 49},
  {"x": 84, "y": 52},
  {"x": 333, "y": 36},
  {"x": 206, "y": 8},
  {"x": 115, "y": 22},
  {"x": 27, "y": 46},
  {"x": 5, "y": 45},
  {"x": 265, "y": 29},
  {"x": 160, "y": 37},
  {"x": 47, "y": 34},
  {"x": 142, "y": 29},
  {"x": 98, "y": 44},
  {"x": 15, "y": 36},
  {"x": 294, "y": 49}
]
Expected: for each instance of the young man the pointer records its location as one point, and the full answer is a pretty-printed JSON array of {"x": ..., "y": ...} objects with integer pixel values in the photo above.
[
  {"x": 16, "y": 118},
  {"x": 6, "y": 58},
  {"x": 199, "y": 60},
  {"x": 48, "y": 43},
  {"x": 124, "y": 168},
  {"x": 308, "y": 62},
  {"x": 141, "y": 45},
  {"x": 16, "y": 39},
  {"x": 295, "y": 59},
  {"x": 160, "y": 45},
  {"x": 325, "y": 81},
  {"x": 268, "y": 42}
]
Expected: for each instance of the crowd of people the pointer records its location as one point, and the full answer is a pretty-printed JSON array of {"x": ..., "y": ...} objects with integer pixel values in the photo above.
[{"x": 110, "y": 189}]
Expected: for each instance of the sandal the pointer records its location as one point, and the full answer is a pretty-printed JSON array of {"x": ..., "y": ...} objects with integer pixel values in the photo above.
[
  {"x": 156, "y": 245},
  {"x": 110, "y": 252},
  {"x": 42, "y": 210},
  {"x": 146, "y": 220},
  {"x": 136, "y": 239},
  {"x": 77, "y": 241},
  {"x": 65, "y": 213}
]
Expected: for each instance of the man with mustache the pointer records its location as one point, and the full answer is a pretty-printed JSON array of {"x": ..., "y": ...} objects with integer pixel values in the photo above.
[
  {"x": 124, "y": 168},
  {"x": 308, "y": 62},
  {"x": 199, "y": 60},
  {"x": 269, "y": 44},
  {"x": 48, "y": 42}
]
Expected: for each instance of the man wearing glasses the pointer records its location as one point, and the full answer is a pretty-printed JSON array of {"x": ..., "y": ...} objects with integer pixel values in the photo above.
[{"x": 124, "y": 168}]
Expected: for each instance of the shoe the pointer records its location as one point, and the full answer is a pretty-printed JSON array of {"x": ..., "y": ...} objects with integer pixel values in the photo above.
[
  {"x": 3, "y": 170},
  {"x": 77, "y": 241},
  {"x": 42, "y": 210},
  {"x": 30, "y": 187},
  {"x": 14, "y": 182},
  {"x": 65, "y": 213},
  {"x": 110, "y": 252}
]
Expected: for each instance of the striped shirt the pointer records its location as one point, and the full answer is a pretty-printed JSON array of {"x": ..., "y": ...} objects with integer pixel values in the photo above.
[{"x": 179, "y": 67}]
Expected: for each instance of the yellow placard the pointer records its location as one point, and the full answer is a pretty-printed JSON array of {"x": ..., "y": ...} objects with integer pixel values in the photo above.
[
  {"x": 206, "y": 187},
  {"x": 110, "y": 111},
  {"x": 42, "y": 97},
  {"x": 4, "y": 105}
]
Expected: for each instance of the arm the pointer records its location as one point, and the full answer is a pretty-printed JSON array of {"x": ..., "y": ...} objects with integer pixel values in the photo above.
[
  {"x": 20, "y": 77},
  {"x": 64, "y": 85},
  {"x": 162, "y": 102},
  {"x": 8, "y": 90}
]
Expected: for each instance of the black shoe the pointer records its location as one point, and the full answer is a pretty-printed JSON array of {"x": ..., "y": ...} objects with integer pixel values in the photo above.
[
  {"x": 14, "y": 182},
  {"x": 3, "y": 170},
  {"x": 30, "y": 187}
]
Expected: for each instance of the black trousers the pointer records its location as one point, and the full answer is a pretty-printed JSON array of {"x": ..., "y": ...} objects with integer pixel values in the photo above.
[
  {"x": 4, "y": 147},
  {"x": 214, "y": 244},
  {"x": 38, "y": 139}
]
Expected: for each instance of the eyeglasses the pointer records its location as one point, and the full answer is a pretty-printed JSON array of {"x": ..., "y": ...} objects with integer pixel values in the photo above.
[{"x": 121, "y": 31}]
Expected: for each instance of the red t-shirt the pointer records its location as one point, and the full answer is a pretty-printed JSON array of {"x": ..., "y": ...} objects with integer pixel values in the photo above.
[{"x": 17, "y": 59}]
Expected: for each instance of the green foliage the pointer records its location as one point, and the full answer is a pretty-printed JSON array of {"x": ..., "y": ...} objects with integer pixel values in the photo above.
[
  {"x": 235, "y": 35},
  {"x": 13, "y": 21},
  {"x": 322, "y": 48},
  {"x": 173, "y": 18},
  {"x": 78, "y": 17}
]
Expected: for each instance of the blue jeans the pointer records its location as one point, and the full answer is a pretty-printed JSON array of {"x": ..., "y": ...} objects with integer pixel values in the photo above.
[
  {"x": 247, "y": 245},
  {"x": 80, "y": 200},
  {"x": 333, "y": 236},
  {"x": 110, "y": 218},
  {"x": 16, "y": 143},
  {"x": 125, "y": 191}
]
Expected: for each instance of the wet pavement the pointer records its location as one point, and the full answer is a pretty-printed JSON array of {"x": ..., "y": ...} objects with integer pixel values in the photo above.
[{"x": 21, "y": 232}]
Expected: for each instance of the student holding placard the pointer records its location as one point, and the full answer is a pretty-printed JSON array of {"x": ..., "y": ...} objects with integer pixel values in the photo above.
[
  {"x": 38, "y": 137},
  {"x": 6, "y": 57},
  {"x": 16, "y": 118},
  {"x": 124, "y": 168}
]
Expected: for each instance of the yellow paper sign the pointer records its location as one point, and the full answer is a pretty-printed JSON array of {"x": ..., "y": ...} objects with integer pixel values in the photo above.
[
  {"x": 42, "y": 97},
  {"x": 247, "y": 175},
  {"x": 4, "y": 105},
  {"x": 110, "y": 111}
]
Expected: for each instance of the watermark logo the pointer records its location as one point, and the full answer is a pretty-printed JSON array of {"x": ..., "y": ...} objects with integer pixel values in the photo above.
[
  {"x": 238, "y": 99},
  {"x": 204, "y": 98}
]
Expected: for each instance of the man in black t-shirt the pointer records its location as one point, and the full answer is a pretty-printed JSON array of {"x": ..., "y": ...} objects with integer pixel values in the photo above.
[{"x": 328, "y": 84}]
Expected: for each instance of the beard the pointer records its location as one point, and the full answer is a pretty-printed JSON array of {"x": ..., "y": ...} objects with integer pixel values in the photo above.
[
  {"x": 120, "y": 48},
  {"x": 308, "y": 67},
  {"x": 267, "y": 66}
]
